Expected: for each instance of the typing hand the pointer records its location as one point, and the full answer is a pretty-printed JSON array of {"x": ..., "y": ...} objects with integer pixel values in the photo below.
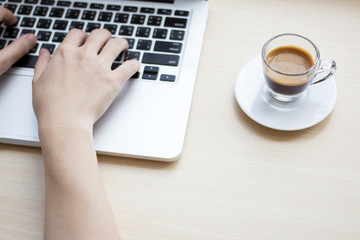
[
  {"x": 18, "y": 48},
  {"x": 76, "y": 86}
]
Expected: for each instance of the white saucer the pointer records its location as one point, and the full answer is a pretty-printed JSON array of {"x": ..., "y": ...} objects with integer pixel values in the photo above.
[{"x": 311, "y": 108}]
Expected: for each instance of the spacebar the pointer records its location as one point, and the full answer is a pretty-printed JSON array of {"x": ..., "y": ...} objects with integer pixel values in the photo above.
[
  {"x": 161, "y": 59},
  {"x": 27, "y": 61}
]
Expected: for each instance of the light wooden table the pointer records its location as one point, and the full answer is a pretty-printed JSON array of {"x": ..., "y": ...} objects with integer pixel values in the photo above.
[{"x": 236, "y": 179}]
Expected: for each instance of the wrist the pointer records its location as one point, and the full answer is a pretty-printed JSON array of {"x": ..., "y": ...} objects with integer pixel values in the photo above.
[{"x": 48, "y": 133}]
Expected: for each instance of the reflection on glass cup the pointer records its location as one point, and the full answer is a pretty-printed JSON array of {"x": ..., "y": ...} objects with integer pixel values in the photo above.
[{"x": 291, "y": 63}]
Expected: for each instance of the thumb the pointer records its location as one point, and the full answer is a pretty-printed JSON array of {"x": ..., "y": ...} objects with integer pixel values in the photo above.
[
  {"x": 15, "y": 51},
  {"x": 42, "y": 62}
]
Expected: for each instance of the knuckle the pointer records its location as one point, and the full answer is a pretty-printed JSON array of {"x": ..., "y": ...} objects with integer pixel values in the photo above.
[
  {"x": 76, "y": 31},
  {"x": 123, "y": 42},
  {"x": 102, "y": 31},
  {"x": 61, "y": 50}
]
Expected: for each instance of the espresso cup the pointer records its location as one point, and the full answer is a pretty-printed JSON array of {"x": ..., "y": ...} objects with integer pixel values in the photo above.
[{"x": 291, "y": 63}]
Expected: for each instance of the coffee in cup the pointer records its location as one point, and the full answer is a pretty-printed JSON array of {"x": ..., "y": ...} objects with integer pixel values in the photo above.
[{"x": 291, "y": 63}]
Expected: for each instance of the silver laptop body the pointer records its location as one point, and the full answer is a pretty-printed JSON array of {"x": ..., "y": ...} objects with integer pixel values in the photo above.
[{"x": 148, "y": 119}]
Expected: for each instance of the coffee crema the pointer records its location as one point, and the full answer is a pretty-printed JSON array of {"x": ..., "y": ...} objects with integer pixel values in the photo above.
[{"x": 290, "y": 59}]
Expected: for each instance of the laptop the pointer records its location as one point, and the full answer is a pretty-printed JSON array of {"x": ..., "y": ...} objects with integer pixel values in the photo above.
[{"x": 148, "y": 118}]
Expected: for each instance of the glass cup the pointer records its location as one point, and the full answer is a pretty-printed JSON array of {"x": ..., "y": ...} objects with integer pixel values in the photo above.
[{"x": 291, "y": 63}]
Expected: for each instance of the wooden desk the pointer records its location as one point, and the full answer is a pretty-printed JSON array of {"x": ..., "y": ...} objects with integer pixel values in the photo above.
[{"x": 236, "y": 179}]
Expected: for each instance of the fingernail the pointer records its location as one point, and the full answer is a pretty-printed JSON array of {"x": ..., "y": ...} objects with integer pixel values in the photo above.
[
  {"x": 43, "y": 51},
  {"x": 31, "y": 37}
]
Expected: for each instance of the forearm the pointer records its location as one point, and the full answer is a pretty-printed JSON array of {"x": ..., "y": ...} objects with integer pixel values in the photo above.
[
  {"x": 76, "y": 203},
  {"x": 71, "y": 90}
]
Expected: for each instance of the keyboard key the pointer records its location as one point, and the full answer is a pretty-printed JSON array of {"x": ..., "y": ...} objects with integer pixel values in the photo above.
[
  {"x": 136, "y": 75},
  {"x": 181, "y": 13},
  {"x": 2, "y": 43},
  {"x": 25, "y": 31},
  {"x": 60, "y": 25},
  {"x": 131, "y": 42},
  {"x": 41, "y": 11},
  {"x": 111, "y": 27},
  {"x": 151, "y": 70},
  {"x": 72, "y": 14},
  {"x": 175, "y": 22},
  {"x": 144, "y": 44},
  {"x": 121, "y": 17},
  {"x": 17, "y": 1},
  {"x": 80, "y": 4},
  {"x": 138, "y": 19},
  {"x": 149, "y": 76},
  {"x": 164, "y": 11},
  {"x": 25, "y": 10},
  {"x": 130, "y": 9},
  {"x": 92, "y": 26},
  {"x": 44, "y": 23},
  {"x": 50, "y": 47},
  {"x": 78, "y": 25},
  {"x": 56, "y": 12},
  {"x": 167, "y": 78},
  {"x": 34, "y": 49},
  {"x": 150, "y": 73},
  {"x": 32, "y": 1},
  {"x": 11, "y": 32},
  {"x": 119, "y": 57},
  {"x": 59, "y": 37},
  {"x": 64, "y": 3},
  {"x": 88, "y": 15},
  {"x": 147, "y": 10},
  {"x": 126, "y": 30},
  {"x": 105, "y": 16},
  {"x": 47, "y": 2},
  {"x": 27, "y": 61},
  {"x": 115, "y": 66},
  {"x": 154, "y": 21},
  {"x": 160, "y": 33},
  {"x": 143, "y": 32},
  {"x": 177, "y": 35},
  {"x": 132, "y": 55},
  {"x": 43, "y": 35},
  {"x": 11, "y": 7},
  {"x": 171, "y": 47},
  {"x": 113, "y": 7},
  {"x": 97, "y": 6},
  {"x": 27, "y": 22},
  {"x": 161, "y": 59}
]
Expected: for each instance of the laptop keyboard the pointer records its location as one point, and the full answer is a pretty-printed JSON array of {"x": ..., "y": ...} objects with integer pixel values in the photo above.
[{"x": 156, "y": 36}]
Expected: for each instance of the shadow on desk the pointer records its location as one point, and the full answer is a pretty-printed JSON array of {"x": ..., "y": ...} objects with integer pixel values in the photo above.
[
  {"x": 136, "y": 163},
  {"x": 34, "y": 153},
  {"x": 273, "y": 134}
]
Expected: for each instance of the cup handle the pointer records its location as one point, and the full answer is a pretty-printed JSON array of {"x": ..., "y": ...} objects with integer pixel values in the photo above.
[{"x": 326, "y": 70}]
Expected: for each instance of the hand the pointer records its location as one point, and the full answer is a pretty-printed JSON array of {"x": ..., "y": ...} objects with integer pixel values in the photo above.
[
  {"x": 76, "y": 86},
  {"x": 18, "y": 48}
]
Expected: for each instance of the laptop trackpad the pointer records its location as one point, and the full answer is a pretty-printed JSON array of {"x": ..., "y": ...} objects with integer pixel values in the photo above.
[{"x": 17, "y": 115}]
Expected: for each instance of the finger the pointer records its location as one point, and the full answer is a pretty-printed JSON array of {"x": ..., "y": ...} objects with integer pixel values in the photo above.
[
  {"x": 42, "y": 62},
  {"x": 113, "y": 48},
  {"x": 6, "y": 16},
  {"x": 75, "y": 37},
  {"x": 16, "y": 50},
  {"x": 126, "y": 70},
  {"x": 97, "y": 39}
]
